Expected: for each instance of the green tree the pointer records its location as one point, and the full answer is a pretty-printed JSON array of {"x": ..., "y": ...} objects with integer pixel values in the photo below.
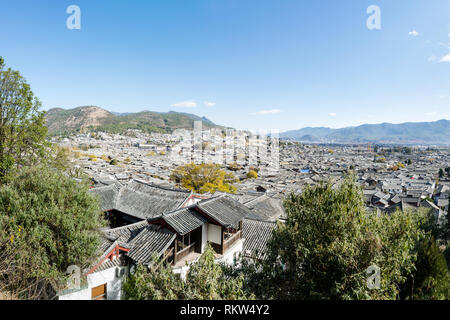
[
  {"x": 205, "y": 280},
  {"x": 48, "y": 222},
  {"x": 328, "y": 242},
  {"x": 155, "y": 283},
  {"x": 430, "y": 279},
  {"x": 22, "y": 125},
  {"x": 203, "y": 178},
  {"x": 252, "y": 174},
  {"x": 441, "y": 173}
]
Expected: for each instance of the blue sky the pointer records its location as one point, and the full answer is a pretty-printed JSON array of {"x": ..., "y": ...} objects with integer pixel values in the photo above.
[{"x": 249, "y": 64}]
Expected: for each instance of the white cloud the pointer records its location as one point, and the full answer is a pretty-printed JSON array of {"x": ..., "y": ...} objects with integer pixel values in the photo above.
[
  {"x": 445, "y": 58},
  {"x": 332, "y": 114},
  {"x": 209, "y": 103},
  {"x": 185, "y": 104},
  {"x": 264, "y": 112},
  {"x": 431, "y": 113},
  {"x": 413, "y": 33}
]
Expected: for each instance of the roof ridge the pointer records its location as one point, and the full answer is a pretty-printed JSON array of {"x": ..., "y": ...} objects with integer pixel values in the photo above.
[
  {"x": 151, "y": 227},
  {"x": 210, "y": 199},
  {"x": 165, "y": 214},
  {"x": 256, "y": 198},
  {"x": 112, "y": 185},
  {"x": 127, "y": 226},
  {"x": 135, "y": 191},
  {"x": 151, "y": 184},
  {"x": 261, "y": 221}
]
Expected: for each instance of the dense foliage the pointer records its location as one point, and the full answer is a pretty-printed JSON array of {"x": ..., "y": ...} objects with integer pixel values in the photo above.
[
  {"x": 22, "y": 129},
  {"x": 47, "y": 219},
  {"x": 430, "y": 279},
  {"x": 204, "y": 178},
  {"x": 49, "y": 222},
  {"x": 328, "y": 248},
  {"x": 204, "y": 280},
  {"x": 329, "y": 241}
]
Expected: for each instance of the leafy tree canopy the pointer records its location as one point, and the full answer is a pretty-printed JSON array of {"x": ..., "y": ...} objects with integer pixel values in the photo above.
[
  {"x": 203, "y": 178},
  {"x": 22, "y": 125},
  {"x": 49, "y": 221},
  {"x": 328, "y": 242},
  {"x": 252, "y": 174},
  {"x": 205, "y": 280},
  {"x": 430, "y": 279}
]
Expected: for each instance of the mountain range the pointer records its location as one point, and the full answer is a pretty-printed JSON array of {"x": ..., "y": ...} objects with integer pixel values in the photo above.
[
  {"x": 93, "y": 118},
  {"x": 437, "y": 132}
]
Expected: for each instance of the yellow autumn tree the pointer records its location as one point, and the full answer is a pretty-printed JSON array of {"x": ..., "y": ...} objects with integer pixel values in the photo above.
[
  {"x": 204, "y": 178},
  {"x": 252, "y": 174}
]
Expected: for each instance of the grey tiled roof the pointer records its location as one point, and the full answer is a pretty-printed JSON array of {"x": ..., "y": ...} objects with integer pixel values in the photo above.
[
  {"x": 152, "y": 240},
  {"x": 224, "y": 210},
  {"x": 107, "y": 196},
  {"x": 141, "y": 200},
  {"x": 105, "y": 248},
  {"x": 141, "y": 205},
  {"x": 110, "y": 264},
  {"x": 395, "y": 199},
  {"x": 184, "y": 220},
  {"x": 125, "y": 234},
  {"x": 256, "y": 234},
  {"x": 149, "y": 188},
  {"x": 141, "y": 238},
  {"x": 266, "y": 208},
  {"x": 244, "y": 196}
]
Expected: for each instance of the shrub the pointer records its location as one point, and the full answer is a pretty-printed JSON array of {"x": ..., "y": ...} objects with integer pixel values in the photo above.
[
  {"x": 204, "y": 178},
  {"x": 48, "y": 220},
  {"x": 252, "y": 174}
]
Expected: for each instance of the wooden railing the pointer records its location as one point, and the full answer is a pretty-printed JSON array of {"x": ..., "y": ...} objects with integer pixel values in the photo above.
[
  {"x": 229, "y": 242},
  {"x": 168, "y": 254},
  {"x": 183, "y": 253}
]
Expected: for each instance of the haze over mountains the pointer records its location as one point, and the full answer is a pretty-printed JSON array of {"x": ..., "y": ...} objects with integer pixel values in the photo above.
[
  {"x": 65, "y": 121},
  {"x": 60, "y": 121},
  {"x": 437, "y": 132}
]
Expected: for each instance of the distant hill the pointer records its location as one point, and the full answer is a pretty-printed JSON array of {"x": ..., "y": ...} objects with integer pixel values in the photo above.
[
  {"x": 437, "y": 132},
  {"x": 92, "y": 118}
]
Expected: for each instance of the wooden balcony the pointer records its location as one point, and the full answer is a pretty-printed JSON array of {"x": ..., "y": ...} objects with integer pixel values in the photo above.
[
  {"x": 230, "y": 241},
  {"x": 183, "y": 253}
]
